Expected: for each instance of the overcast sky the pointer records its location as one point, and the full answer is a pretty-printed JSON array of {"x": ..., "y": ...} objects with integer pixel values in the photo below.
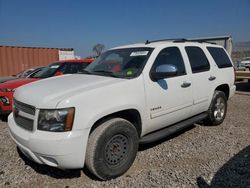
[{"x": 81, "y": 24}]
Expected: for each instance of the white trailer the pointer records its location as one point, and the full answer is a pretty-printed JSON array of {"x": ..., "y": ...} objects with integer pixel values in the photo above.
[{"x": 225, "y": 41}]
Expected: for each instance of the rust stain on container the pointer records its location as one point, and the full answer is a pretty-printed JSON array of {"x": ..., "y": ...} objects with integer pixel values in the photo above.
[{"x": 15, "y": 59}]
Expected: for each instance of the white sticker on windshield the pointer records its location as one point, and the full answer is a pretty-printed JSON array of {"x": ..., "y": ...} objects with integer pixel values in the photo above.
[
  {"x": 54, "y": 66},
  {"x": 139, "y": 53}
]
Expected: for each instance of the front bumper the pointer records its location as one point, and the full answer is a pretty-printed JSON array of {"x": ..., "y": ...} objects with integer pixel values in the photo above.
[
  {"x": 62, "y": 150},
  {"x": 4, "y": 112}
]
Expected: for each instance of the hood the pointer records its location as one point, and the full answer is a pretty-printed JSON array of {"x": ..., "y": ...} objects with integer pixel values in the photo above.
[
  {"x": 12, "y": 84},
  {"x": 49, "y": 92}
]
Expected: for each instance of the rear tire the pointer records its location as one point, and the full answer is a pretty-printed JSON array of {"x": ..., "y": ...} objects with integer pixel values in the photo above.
[
  {"x": 112, "y": 148},
  {"x": 217, "y": 109}
]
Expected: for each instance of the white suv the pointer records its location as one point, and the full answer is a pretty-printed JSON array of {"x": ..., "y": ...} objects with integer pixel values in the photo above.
[{"x": 132, "y": 94}]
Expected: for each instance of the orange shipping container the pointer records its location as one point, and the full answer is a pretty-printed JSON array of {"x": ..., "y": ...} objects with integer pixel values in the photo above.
[{"x": 15, "y": 59}]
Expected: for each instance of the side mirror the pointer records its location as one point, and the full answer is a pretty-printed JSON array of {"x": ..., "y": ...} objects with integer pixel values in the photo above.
[
  {"x": 59, "y": 73},
  {"x": 163, "y": 71}
]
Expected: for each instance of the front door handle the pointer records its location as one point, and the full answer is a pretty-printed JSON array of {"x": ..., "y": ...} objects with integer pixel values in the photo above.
[
  {"x": 185, "y": 84},
  {"x": 211, "y": 78}
]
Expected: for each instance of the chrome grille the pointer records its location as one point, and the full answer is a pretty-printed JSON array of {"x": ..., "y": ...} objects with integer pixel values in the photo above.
[{"x": 22, "y": 120}]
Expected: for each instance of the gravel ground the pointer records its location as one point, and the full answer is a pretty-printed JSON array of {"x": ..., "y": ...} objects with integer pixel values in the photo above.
[{"x": 198, "y": 157}]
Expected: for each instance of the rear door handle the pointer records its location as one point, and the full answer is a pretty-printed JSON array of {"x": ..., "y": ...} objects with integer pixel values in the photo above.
[
  {"x": 211, "y": 78},
  {"x": 185, "y": 84}
]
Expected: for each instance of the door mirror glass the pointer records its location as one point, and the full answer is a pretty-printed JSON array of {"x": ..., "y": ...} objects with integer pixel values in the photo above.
[{"x": 164, "y": 71}]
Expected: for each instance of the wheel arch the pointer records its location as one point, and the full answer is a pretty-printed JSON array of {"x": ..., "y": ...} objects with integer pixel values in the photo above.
[
  {"x": 224, "y": 88},
  {"x": 131, "y": 115}
]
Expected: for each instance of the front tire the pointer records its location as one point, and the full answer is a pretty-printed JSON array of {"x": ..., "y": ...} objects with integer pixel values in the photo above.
[
  {"x": 112, "y": 148},
  {"x": 217, "y": 109}
]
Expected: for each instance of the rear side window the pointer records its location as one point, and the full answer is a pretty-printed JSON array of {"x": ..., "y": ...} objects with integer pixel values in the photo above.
[
  {"x": 171, "y": 56},
  {"x": 220, "y": 57},
  {"x": 197, "y": 59}
]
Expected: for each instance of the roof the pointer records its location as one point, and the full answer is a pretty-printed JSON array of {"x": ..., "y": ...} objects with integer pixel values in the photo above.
[{"x": 165, "y": 44}]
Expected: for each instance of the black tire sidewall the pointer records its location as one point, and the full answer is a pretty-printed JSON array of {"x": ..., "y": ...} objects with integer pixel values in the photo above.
[{"x": 102, "y": 167}]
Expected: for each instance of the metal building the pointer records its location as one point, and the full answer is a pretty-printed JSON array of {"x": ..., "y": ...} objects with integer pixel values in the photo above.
[{"x": 14, "y": 59}]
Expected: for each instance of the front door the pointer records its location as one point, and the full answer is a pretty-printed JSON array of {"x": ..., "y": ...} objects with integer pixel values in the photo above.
[{"x": 169, "y": 100}]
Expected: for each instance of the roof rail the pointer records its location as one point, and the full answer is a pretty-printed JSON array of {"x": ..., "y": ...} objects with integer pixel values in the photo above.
[
  {"x": 161, "y": 40},
  {"x": 180, "y": 40},
  {"x": 200, "y": 40}
]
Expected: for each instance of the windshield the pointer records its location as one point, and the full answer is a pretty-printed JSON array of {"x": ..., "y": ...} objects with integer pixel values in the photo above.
[
  {"x": 26, "y": 73},
  {"x": 47, "y": 71},
  {"x": 19, "y": 75},
  {"x": 121, "y": 63},
  {"x": 34, "y": 72}
]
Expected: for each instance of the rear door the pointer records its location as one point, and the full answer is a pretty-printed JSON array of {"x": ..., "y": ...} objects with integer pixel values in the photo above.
[{"x": 201, "y": 78}]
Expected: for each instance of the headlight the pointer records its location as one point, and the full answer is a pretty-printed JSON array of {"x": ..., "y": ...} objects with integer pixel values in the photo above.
[
  {"x": 58, "y": 120},
  {"x": 5, "y": 100}
]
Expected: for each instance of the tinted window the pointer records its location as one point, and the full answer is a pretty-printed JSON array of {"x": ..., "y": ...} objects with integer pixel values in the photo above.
[
  {"x": 26, "y": 73},
  {"x": 72, "y": 68},
  {"x": 170, "y": 56},
  {"x": 197, "y": 59},
  {"x": 220, "y": 57},
  {"x": 48, "y": 71},
  {"x": 35, "y": 72}
]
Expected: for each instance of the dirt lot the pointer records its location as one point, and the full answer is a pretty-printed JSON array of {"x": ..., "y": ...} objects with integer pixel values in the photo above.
[{"x": 197, "y": 157}]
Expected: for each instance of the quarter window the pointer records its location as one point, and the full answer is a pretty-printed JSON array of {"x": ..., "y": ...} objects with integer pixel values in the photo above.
[
  {"x": 220, "y": 57},
  {"x": 170, "y": 56},
  {"x": 197, "y": 59}
]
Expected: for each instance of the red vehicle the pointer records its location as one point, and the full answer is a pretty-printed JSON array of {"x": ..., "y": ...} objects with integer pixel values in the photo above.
[{"x": 55, "y": 69}]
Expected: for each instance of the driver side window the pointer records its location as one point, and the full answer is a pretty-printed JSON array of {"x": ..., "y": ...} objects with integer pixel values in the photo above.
[{"x": 170, "y": 56}]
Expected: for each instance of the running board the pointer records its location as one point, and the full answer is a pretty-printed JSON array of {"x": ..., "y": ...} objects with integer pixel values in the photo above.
[{"x": 162, "y": 133}]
